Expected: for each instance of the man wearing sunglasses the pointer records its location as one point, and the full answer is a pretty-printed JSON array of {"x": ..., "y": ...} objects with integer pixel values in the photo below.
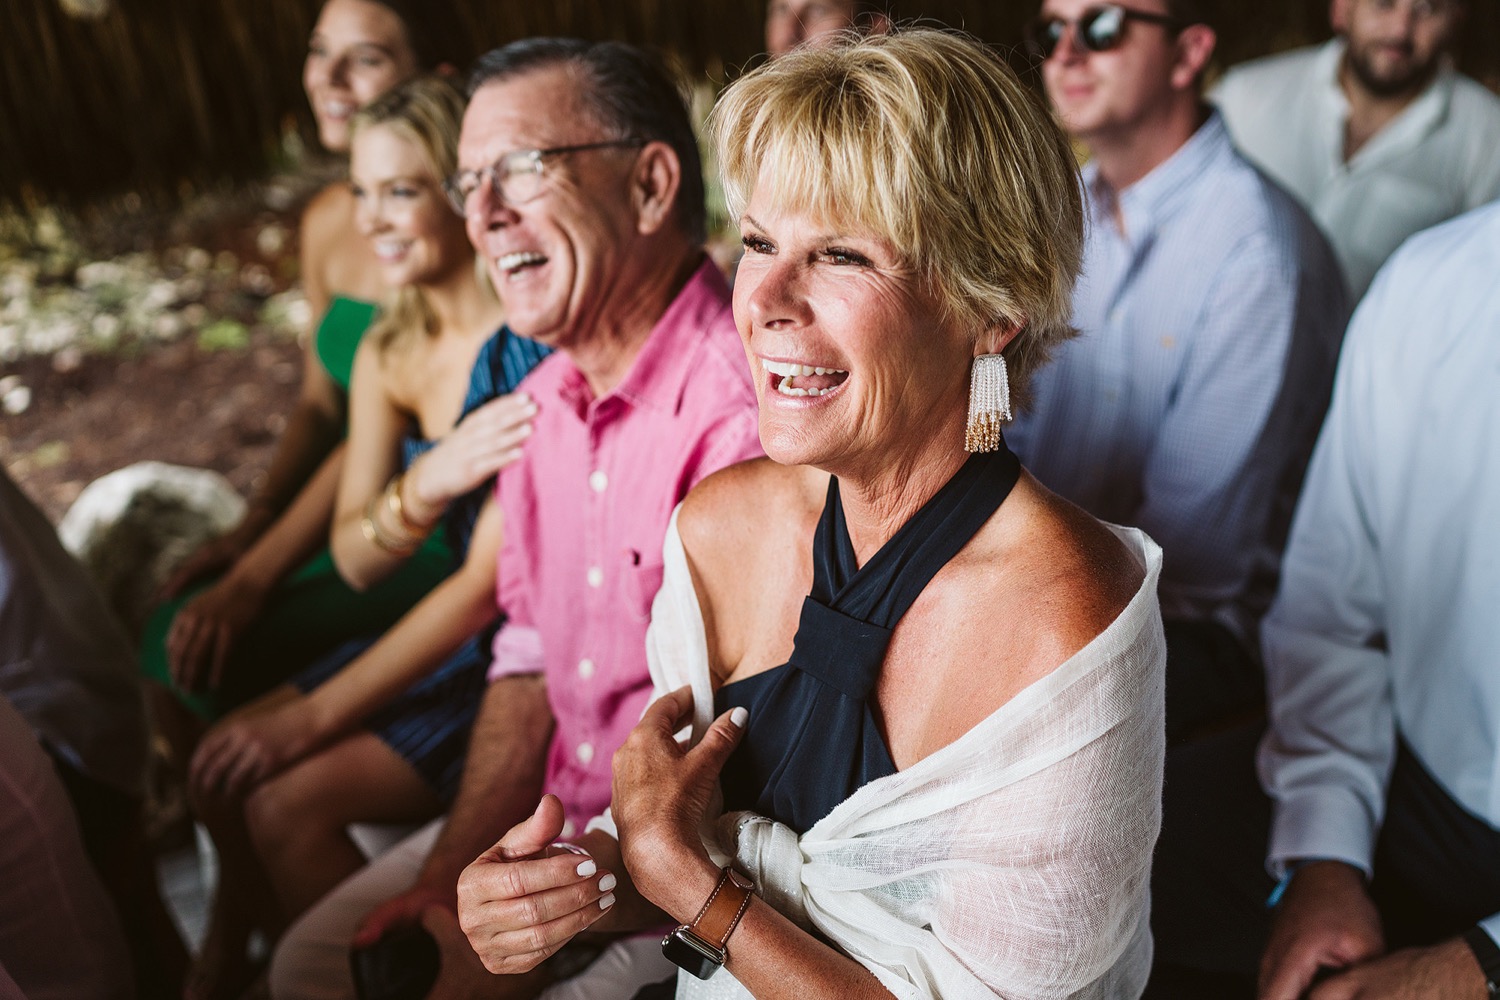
[
  {"x": 1374, "y": 131},
  {"x": 1210, "y": 309},
  {"x": 580, "y": 184}
]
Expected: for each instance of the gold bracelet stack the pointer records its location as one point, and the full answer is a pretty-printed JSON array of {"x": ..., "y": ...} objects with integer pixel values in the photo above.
[
  {"x": 408, "y": 535},
  {"x": 397, "y": 507}
]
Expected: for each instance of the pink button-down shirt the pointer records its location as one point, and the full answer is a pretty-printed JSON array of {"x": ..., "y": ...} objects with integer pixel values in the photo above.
[{"x": 586, "y": 511}]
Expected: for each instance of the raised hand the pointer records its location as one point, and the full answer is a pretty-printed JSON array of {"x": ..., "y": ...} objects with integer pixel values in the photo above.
[
  {"x": 523, "y": 899},
  {"x": 662, "y": 791},
  {"x": 484, "y": 442}
]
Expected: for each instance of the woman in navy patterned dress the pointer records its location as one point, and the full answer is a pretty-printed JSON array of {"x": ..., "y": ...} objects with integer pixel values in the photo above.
[{"x": 432, "y": 418}]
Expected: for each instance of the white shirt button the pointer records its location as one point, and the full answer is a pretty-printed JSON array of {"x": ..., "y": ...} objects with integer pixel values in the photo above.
[
  {"x": 598, "y": 481},
  {"x": 568, "y": 829},
  {"x": 585, "y": 668},
  {"x": 596, "y": 576},
  {"x": 585, "y": 752}
]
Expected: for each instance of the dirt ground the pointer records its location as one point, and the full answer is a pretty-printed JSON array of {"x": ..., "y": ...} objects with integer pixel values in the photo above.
[
  {"x": 173, "y": 402},
  {"x": 190, "y": 397}
]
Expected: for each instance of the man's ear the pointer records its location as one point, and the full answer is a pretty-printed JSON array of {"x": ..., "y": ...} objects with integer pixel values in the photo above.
[
  {"x": 1338, "y": 16},
  {"x": 654, "y": 183},
  {"x": 1195, "y": 47}
]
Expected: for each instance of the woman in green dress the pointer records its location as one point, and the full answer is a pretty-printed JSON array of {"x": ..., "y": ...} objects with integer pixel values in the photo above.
[{"x": 259, "y": 603}]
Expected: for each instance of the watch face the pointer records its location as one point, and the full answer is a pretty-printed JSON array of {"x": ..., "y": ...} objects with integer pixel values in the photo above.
[{"x": 684, "y": 950}]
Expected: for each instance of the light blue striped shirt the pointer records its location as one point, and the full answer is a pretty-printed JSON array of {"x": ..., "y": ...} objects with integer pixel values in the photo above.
[{"x": 1189, "y": 404}]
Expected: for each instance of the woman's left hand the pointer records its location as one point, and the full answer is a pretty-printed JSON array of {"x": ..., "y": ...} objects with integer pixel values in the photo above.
[
  {"x": 662, "y": 790},
  {"x": 250, "y": 745}
]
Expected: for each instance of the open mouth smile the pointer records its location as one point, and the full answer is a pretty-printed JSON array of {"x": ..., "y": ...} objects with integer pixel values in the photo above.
[
  {"x": 789, "y": 379},
  {"x": 512, "y": 264}
]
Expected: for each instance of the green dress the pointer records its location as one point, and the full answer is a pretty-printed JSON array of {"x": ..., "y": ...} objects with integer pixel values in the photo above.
[{"x": 312, "y": 611}]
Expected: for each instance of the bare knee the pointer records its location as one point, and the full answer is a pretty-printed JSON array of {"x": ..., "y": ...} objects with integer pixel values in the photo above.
[{"x": 289, "y": 810}]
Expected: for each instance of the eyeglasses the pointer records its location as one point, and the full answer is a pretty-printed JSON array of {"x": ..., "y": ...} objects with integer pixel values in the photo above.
[
  {"x": 1099, "y": 29},
  {"x": 516, "y": 176}
]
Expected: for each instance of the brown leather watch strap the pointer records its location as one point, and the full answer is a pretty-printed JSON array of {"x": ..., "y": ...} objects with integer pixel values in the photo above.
[{"x": 721, "y": 914}]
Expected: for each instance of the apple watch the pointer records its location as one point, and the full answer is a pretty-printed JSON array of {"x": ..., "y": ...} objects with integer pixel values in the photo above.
[{"x": 702, "y": 946}]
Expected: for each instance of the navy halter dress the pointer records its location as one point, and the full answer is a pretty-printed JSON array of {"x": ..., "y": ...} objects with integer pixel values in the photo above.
[{"x": 813, "y": 738}]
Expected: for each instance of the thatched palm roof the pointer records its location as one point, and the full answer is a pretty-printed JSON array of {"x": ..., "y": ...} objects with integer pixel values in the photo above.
[{"x": 153, "y": 94}]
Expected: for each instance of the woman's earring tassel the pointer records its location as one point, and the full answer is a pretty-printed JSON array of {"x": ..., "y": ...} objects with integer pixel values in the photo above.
[{"x": 989, "y": 403}]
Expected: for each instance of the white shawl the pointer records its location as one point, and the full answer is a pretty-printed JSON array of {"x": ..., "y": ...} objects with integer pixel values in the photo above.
[{"x": 1014, "y": 862}]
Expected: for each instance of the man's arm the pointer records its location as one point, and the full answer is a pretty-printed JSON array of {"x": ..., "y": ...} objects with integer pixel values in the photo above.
[
  {"x": 501, "y": 783},
  {"x": 1331, "y": 743}
]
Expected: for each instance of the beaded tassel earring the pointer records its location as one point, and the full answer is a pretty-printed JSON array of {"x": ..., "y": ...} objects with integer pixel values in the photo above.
[{"x": 989, "y": 403}]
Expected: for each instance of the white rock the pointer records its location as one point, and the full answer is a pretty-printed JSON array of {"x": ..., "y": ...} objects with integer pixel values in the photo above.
[{"x": 133, "y": 526}]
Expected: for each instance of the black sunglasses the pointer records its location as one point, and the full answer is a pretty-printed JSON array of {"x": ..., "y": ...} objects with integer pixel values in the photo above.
[{"x": 1099, "y": 29}]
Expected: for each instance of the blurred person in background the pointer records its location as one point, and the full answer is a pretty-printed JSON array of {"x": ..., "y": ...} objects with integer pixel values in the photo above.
[
  {"x": 1376, "y": 806},
  {"x": 1375, "y": 131},
  {"x": 790, "y": 23},
  {"x": 67, "y": 671},
  {"x": 1210, "y": 310},
  {"x": 59, "y": 935},
  {"x": 432, "y": 417}
]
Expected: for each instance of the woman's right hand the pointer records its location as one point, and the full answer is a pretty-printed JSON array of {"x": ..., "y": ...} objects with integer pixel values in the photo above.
[
  {"x": 483, "y": 443},
  {"x": 523, "y": 899},
  {"x": 205, "y": 628}
]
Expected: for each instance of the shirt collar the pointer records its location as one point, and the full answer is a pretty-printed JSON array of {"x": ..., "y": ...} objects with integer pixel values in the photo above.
[
  {"x": 658, "y": 377},
  {"x": 1415, "y": 123},
  {"x": 1153, "y": 199}
]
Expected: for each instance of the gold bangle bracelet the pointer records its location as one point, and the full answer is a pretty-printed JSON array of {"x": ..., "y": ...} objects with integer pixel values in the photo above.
[
  {"x": 398, "y": 508},
  {"x": 370, "y": 527}
]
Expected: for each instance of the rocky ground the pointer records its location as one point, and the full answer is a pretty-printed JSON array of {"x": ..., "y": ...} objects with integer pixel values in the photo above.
[{"x": 168, "y": 334}]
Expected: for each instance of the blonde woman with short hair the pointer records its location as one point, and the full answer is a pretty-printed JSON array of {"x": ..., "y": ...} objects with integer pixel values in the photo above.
[{"x": 924, "y": 693}]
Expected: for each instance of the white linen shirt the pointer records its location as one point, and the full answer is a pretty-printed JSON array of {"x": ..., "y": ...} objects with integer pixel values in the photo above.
[
  {"x": 1439, "y": 158},
  {"x": 1190, "y": 402},
  {"x": 1388, "y": 620}
]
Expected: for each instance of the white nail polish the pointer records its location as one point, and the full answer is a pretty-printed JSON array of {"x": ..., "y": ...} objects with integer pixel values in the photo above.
[
  {"x": 606, "y": 883},
  {"x": 587, "y": 868},
  {"x": 607, "y": 902},
  {"x": 739, "y": 716}
]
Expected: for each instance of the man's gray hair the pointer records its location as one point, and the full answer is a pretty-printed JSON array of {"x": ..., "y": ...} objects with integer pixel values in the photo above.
[{"x": 629, "y": 91}]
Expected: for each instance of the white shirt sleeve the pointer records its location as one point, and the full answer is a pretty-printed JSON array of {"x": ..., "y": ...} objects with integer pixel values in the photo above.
[{"x": 1331, "y": 745}]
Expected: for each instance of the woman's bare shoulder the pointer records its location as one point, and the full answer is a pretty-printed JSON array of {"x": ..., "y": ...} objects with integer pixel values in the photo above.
[
  {"x": 335, "y": 258},
  {"x": 328, "y": 215},
  {"x": 1077, "y": 574},
  {"x": 748, "y": 506}
]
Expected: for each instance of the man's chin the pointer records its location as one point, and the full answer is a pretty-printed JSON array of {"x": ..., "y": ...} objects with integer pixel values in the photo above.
[{"x": 1393, "y": 79}]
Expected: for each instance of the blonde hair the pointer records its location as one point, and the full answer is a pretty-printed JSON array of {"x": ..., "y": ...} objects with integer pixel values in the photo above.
[
  {"x": 928, "y": 139},
  {"x": 428, "y": 111}
]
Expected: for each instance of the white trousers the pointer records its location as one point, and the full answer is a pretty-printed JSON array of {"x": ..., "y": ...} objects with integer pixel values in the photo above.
[{"x": 312, "y": 960}]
